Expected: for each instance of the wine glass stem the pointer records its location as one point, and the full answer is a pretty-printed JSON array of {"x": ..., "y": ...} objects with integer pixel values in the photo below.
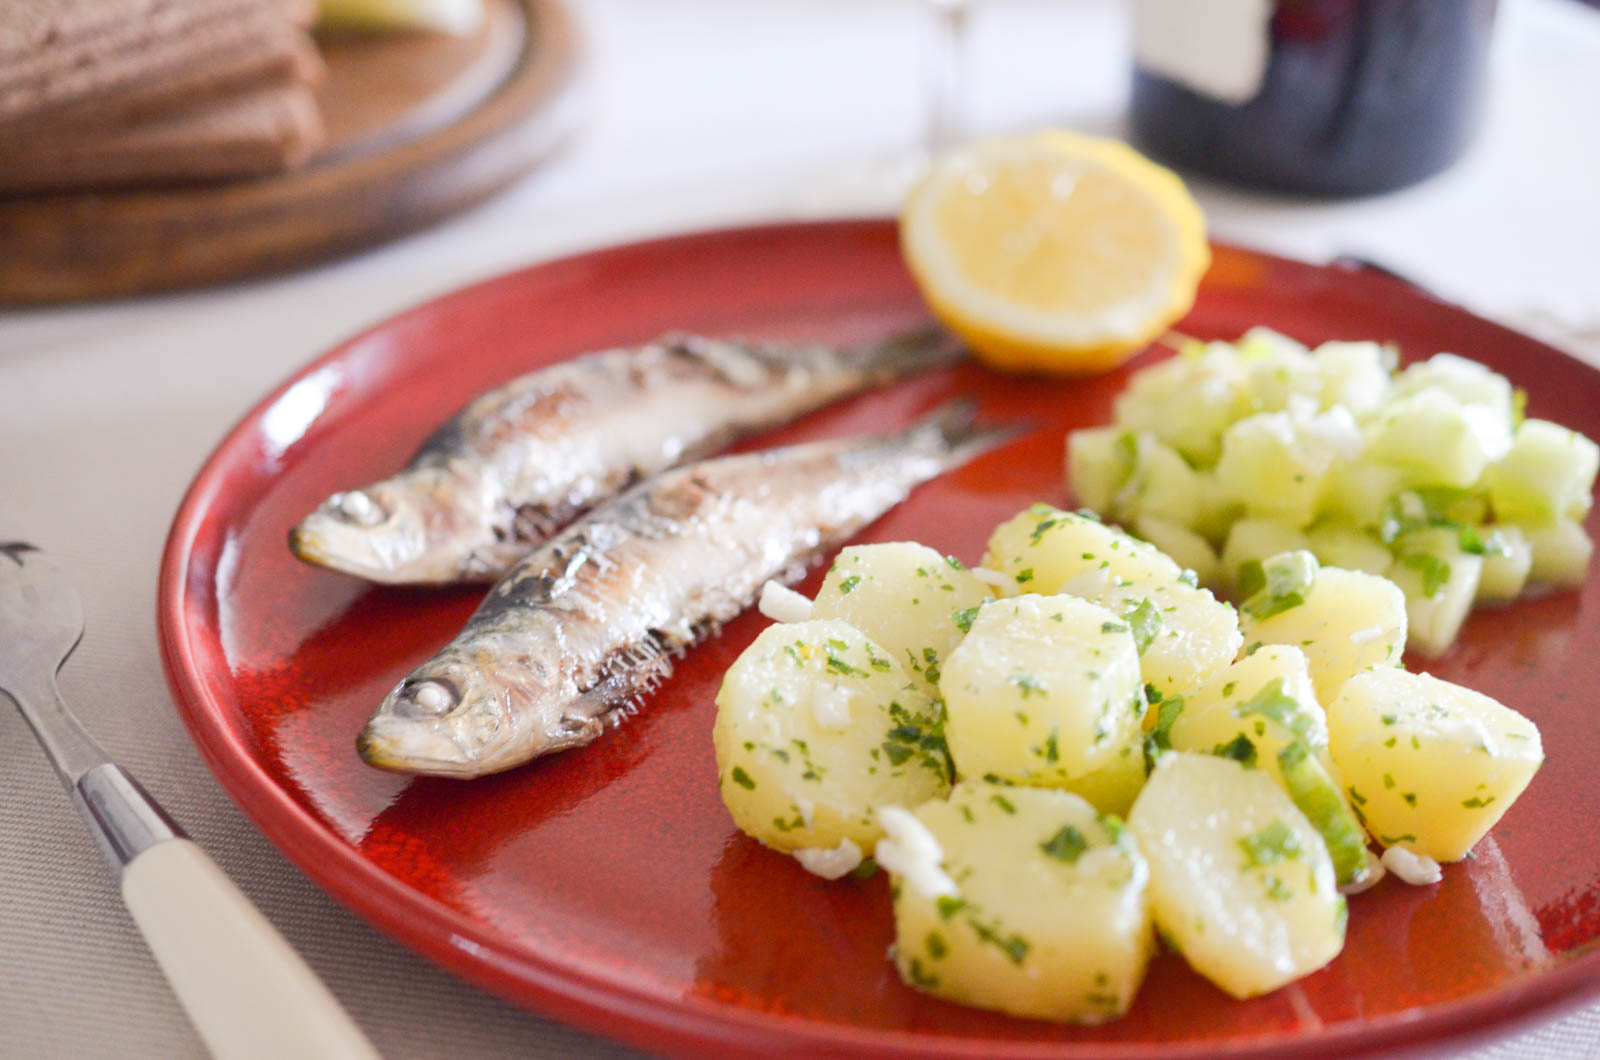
[{"x": 946, "y": 59}]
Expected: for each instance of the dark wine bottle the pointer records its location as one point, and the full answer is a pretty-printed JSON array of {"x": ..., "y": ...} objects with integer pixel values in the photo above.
[{"x": 1354, "y": 96}]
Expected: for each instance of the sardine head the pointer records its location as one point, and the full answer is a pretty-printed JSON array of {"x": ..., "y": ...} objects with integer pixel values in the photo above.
[
  {"x": 464, "y": 715},
  {"x": 400, "y": 532}
]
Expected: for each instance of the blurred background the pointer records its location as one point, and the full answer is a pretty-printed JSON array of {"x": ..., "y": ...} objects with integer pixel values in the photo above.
[{"x": 675, "y": 115}]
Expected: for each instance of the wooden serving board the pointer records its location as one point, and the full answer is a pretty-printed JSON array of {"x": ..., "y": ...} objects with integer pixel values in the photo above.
[{"x": 420, "y": 126}]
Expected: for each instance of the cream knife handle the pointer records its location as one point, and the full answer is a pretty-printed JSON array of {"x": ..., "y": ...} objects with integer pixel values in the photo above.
[{"x": 246, "y": 991}]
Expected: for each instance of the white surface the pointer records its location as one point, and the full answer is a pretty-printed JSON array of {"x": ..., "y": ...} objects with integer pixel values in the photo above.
[{"x": 709, "y": 112}]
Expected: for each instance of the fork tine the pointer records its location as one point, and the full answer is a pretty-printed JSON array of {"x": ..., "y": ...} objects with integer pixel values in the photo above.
[
  {"x": 41, "y": 623},
  {"x": 41, "y": 618}
]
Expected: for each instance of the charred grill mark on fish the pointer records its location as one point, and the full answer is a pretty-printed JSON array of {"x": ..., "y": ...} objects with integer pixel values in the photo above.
[
  {"x": 576, "y": 634},
  {"x": 523, "y": 460}
]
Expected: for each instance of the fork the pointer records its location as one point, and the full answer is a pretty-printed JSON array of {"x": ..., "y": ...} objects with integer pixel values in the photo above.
[{"x": 246, "y": 991}]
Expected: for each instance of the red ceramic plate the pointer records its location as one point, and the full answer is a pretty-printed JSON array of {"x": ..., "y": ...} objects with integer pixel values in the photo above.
[{"x": 608, "y": 886}]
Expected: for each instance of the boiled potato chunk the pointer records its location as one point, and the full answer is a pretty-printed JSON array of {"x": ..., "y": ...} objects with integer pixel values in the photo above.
[
  {"x": 1252, "y": 711},
  {"x": 1346, "y": 622},
  {"x": 1240, "y": 882},
  {"x": 1042, "y": 547},
  {"x": 1263, "y": 712},
  {"x": 1184, "y": 634},
  {"x": 816, "y": 727},
  {"x": 1113, "y": 787},
  {"x": 1429, "y": 765},
  {"x": 1051, "y": 920},
  {"x": 1044, "y": 690},
  {"x": 907, "y": 599}
]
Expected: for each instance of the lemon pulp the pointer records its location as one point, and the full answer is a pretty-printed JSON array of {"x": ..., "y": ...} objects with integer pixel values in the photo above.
[{"x": 1053, "y": 251}]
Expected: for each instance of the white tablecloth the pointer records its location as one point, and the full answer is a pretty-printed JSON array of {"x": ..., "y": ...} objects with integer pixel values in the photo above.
[{"x": 705, "y": 112}]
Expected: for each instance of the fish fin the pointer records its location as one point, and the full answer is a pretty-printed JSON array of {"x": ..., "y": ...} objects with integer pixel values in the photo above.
[
  {"x": 631, "y": 674},
  {"x": 740, "y": 364},
  {"x": 744, "y": 363},
  {"x": 904, "y": 353},
  {"x": 534, "y": 523},
  {"x": 587, "y": 712},
  {"x": 707, "y": 628},
  {"x": 948, "y": 431},
  {"x": 644, "y": 661},
  {"x": 577, "y": 730}
]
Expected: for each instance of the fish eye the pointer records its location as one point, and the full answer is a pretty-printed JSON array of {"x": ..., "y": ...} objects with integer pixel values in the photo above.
[
  {"x": 427, "y": 699},
  {"x": 357, "y": 506}
]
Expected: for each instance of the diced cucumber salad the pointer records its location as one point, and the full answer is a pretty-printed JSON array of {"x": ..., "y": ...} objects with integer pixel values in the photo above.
[
  {"x": 1075, "y": 748},
  {"x": 1433, "y": 477}
]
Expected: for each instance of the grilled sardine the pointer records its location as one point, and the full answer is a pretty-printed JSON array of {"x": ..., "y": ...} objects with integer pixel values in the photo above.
[
  {"x": 523, "y": 460},
  {"x": 573, "y": 635}
]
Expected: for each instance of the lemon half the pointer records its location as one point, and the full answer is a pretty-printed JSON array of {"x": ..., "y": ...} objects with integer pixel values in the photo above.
[{"x": 1054, "y": 252}]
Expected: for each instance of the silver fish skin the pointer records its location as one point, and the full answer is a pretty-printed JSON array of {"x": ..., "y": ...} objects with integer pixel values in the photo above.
[
  {"x": 573, "y": 635},
  {"x": 521, "y": 461}
]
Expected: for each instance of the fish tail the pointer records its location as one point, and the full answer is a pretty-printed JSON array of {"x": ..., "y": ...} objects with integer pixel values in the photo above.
[
  {"x": 950, "y": 435},
  {"x": 919, "y": 349}
]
